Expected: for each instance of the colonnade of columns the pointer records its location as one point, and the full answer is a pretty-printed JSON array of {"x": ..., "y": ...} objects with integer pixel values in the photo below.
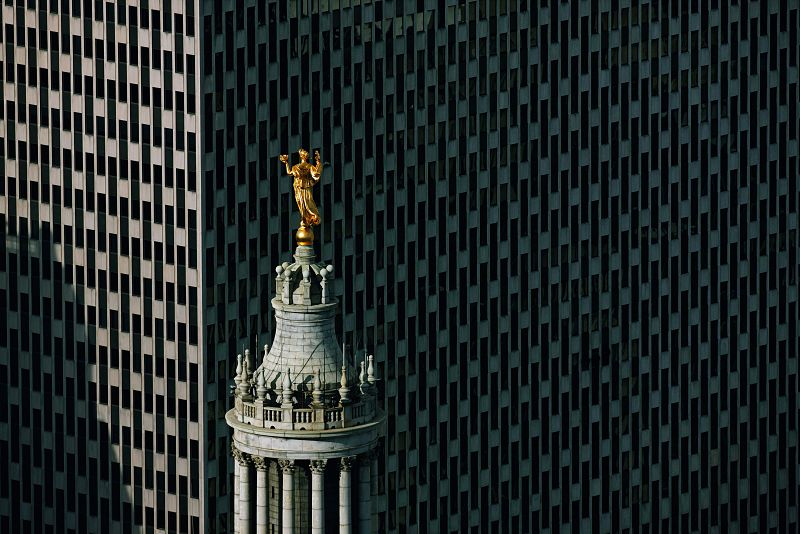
[{"x": 363, "y": 519}]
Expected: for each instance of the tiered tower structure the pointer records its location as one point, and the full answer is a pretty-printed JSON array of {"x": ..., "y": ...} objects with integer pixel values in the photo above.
[{"x": 304, "y": 419}]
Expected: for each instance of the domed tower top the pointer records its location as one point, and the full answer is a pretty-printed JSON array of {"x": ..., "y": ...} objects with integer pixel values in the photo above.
[
  {"x": 306, "y": 366},
  {"x": 305, "y": 341}
]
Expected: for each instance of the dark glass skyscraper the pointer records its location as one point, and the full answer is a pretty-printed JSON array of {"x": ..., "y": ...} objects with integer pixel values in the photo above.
[
  {"x": 572, "y": 234},
  {"x": 584, "y": 228}
]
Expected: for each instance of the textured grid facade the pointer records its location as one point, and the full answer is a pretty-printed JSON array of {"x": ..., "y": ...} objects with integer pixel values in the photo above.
[
  {"x": 583, "y": 227},
  {"x": 100, "y": 427},
  {"x": 582, "y": 220}
]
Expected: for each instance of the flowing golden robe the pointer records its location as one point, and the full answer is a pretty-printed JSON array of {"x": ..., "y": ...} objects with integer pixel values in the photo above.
[{"x": 305, "y": 176}]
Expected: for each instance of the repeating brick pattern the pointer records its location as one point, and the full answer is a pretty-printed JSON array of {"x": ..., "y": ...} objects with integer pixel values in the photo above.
[{"x": 100, "y": 427}]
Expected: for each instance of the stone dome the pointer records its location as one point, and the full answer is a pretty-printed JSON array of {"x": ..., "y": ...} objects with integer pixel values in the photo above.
[{"x": 305, "y": 337}]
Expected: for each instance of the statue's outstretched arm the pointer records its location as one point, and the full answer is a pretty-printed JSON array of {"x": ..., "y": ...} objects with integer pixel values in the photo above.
[
  {"x": 316, "y": 170},
  {"x": 285, "y": 159}
]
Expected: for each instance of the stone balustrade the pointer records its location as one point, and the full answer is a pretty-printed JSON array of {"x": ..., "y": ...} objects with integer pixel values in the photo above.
[{"x": 255, "y": 413}]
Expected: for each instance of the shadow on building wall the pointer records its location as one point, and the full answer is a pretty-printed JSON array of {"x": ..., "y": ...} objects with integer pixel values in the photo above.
[{"x": 65, "y": 457}]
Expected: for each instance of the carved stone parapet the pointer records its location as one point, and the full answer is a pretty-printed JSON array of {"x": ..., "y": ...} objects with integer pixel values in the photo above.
[{"x": 318, "y": 416}]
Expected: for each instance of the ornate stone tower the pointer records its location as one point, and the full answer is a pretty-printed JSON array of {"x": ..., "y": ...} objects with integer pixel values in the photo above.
[{"x": 304, "y": 420}]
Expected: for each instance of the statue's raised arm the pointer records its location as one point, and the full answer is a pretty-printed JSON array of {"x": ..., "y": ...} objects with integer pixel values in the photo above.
[
  {"x": 285, "y": 159},
  {"x": 316, "y": 170}
]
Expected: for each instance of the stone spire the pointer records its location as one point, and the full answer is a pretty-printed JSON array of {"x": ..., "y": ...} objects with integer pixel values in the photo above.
[{"x": 344, "y": 391}]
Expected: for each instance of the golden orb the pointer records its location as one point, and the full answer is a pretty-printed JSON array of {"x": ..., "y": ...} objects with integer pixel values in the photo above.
[{"x": 305, "y": 236}]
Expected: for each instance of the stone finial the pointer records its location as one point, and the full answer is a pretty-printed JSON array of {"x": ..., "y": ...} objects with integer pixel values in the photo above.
[
  {"x": 264, "y": 358},
  {"x": 238, "y": 366},
  {"x": 242, "y": 377},
  {"x": 285, "y": 289},
  {"x": 261, "y": 386},
  {"x": 287, "y": 389},
  {"x": 279, "y": 280},
  {"x": 371, "y": 370},
  {"x": 324, "y": 273},
  {"x": 323, "y": 283},
  {"x": 237, "y": 378},
  {"x": 344, "y": 391},
  {"x": 363, "y": 385},
  {"x": 247, "y": 377},
  {"x": 316, "y": 392}
]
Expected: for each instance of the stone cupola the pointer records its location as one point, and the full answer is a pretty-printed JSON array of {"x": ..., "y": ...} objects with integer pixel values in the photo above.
[{"x": 305, "y": 338}]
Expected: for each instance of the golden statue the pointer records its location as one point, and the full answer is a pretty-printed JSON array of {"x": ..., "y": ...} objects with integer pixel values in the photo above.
[{"x": 305, "y": 176}]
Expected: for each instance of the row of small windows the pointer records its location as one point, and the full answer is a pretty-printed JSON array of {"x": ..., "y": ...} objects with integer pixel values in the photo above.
[
  {"x": 94, "y": 86},
  {"x": 105, "y": 359},
  {"x": 119, "y": 13},
  {"x": 123, "y": 244},
  {"x": 89, "y": 124},
  {"x": 125, "y": 322},
  {"x": 104, "y": 282},
  {"x": 88, "y": 506},
  {"x": 123, "y": 53},
  {"x": 109, "y": 203}
]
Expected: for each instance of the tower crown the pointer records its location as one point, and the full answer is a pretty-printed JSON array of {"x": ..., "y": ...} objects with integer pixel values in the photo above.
[
  {"x": 304, "y": 381},
  {"x": 304, "y": 282}
]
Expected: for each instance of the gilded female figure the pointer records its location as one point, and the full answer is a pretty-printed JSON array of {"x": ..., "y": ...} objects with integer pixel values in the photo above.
[{"x": 305, "y": 176}]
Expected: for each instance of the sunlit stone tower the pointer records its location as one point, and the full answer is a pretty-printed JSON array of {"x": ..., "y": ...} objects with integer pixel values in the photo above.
[{"x": 305, "y": 421}]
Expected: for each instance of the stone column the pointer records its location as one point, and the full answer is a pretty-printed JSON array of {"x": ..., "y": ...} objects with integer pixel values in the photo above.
[
  {"x": 261, "y": 493},
  {"x": 235, "y": 453},
  {"x": 318, "y": 496},
  {"x": 244, "y": 493},
  {"x": 364, "y": 495},
  {"x": 287, "y": 508},
  {"x": 345, "y": 508}
]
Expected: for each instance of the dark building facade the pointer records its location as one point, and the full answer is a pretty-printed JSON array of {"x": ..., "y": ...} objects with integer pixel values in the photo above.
[
  {"x": 573, "y": 231},
  {"x": 583, "y": 228}
]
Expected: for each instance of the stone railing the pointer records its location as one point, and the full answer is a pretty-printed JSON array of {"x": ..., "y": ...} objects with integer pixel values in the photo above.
[{"x": 257, "y": 414}]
